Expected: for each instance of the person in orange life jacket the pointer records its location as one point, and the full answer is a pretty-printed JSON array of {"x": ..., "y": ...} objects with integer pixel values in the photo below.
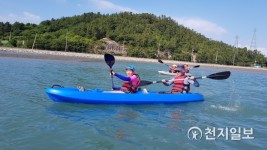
[
  {"x": 131, "y": 81},
  {"x": 172, "y": 68},
  {"x": 181, "y": 84}
]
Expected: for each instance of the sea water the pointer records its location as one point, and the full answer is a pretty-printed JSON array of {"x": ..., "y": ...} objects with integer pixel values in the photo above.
[{"x": 30, "y": 120}]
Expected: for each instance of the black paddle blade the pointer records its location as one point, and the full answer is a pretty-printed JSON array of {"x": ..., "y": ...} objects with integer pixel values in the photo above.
[
  {"x": 220, "y": 75},
  {"x": 160, "y": 61},
  {"x": 144, "y": 83},
  {"x": 196, "y": 66},
  {"x": 109, "y": 59}
]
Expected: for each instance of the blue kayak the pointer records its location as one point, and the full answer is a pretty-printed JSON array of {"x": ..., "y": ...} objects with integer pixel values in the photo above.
[{"x": 74, "y": 95}]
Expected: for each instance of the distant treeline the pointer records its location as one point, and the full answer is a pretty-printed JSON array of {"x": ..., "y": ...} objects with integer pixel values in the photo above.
[{"x": 144, "y": 35}]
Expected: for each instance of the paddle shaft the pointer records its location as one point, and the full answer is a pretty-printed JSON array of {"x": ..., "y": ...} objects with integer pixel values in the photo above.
[
  {"x": 110, "y": 60},
  {"x": 167, "y": 65},
  {"x": 216, "y": 76},
  {"x": 160, "y": 61},
  {"x": 112, "y": 81},
  {"x": 194, "y": 67}
]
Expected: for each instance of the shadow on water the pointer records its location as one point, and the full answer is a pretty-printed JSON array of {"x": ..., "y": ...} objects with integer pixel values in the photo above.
[{"x": 123, "y": 123}]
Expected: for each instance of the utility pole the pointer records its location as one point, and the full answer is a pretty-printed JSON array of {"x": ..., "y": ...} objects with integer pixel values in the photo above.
[
  {"x": 87, "y": 30},
  {"x": 123, "y": 45},
  {"x": 10, "y": 36},
  {"x": 34, "y": 41},
  {"x": 192, "y": 54},
  {"x": 158, "y": 49},
  {"x": 216, "y": 58},
  {"x": 253, "y": 45},
  {"x": 235, "y": 49},
  {"x": 66, "y": 45}
]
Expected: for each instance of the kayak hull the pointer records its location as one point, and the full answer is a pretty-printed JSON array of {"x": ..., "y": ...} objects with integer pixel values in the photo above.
[
  {"x": 171, "y": 74},
  {"x": 73, "y": 95}
]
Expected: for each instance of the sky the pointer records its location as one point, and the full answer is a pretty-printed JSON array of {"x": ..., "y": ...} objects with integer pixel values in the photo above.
[{"x": 233, "y": 22}]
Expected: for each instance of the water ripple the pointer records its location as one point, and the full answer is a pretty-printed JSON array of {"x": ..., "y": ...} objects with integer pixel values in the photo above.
[{"x": 30, "y": 120}]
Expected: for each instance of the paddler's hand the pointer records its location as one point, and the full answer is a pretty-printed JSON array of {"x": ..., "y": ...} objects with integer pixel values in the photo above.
[
  {"x": 192, "y": 78},
  {"x": 112, "y": 73},
  {"x": 163, "y": 81}
]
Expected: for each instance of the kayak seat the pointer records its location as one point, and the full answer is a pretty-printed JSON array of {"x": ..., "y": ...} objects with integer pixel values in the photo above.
[
  {"x": 145, "y": 91},
  {"x": 81, "y": 88}
]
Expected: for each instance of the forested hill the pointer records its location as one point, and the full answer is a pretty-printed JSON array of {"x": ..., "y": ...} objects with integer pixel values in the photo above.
[{"x": 139, "y": 35}]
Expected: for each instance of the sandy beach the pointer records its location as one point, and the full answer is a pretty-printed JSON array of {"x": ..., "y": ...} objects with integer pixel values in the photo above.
[{"x": 72, "y": 56}]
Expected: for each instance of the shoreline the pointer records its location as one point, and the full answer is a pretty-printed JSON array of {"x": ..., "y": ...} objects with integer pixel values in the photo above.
[{"x": 72, "y": 56}]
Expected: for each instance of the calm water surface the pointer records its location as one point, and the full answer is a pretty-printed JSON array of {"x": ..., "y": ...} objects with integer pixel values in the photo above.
[{"x": 30, "y": 120}]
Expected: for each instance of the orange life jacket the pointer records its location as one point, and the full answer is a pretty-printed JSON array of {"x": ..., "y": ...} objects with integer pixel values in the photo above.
[
  {"x": 179, "y": 86},
  {"x": 128, "y": 87}
]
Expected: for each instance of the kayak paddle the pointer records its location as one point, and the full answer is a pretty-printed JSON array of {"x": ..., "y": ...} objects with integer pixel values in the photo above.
[
  {"x": 216, "y": 76},
  {"x": 144, "y": 82},
  {"x": 160, "y": 61},
  {"x": 110, "y": 60},
  {"x": 194, "y": 67}
]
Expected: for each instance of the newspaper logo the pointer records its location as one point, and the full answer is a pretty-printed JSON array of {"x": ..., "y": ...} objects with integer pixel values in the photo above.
[
  {"x": 227, "y": 133},
  {"x": 194, "y": 133}
]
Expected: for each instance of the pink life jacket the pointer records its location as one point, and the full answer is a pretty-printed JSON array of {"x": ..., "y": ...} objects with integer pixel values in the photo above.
[{"x": 128, "y": 86}]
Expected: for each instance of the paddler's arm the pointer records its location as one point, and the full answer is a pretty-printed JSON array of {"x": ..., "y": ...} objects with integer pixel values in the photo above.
[
  {"x": 167, "y": 83},
  {"x": 122, "y": 77},
  {"x": 193, "y": 81},
  {"x": 196, "y": 84}
]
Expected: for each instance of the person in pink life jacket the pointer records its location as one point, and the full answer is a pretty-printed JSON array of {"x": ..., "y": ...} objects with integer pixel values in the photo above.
[
  {"x": 181, "y": 83},
  {"x": 131, "y": 80}
]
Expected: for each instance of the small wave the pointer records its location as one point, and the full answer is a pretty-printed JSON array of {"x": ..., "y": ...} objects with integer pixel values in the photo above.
[{"x": 226, "y": 108}]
